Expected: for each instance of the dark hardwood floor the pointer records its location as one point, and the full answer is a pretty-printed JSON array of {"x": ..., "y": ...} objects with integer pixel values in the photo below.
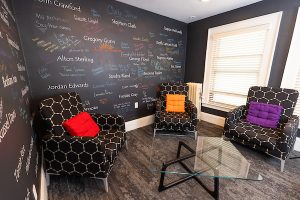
[{"x": 131, "y": 179}]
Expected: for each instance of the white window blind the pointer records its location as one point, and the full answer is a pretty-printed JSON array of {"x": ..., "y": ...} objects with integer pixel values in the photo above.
[
  {"x": 297, "y": 87},
  {"x": 293, "y": 82},
  {"x": 238, "y": 56},
  {"x": 291, "y": 76}
]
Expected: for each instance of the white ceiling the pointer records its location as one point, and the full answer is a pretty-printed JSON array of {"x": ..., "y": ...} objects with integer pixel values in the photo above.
[{"x": 183, "y": 9}]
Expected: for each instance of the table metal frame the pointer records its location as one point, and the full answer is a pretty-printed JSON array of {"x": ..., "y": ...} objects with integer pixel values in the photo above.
[{"x": 193, "y": 175}]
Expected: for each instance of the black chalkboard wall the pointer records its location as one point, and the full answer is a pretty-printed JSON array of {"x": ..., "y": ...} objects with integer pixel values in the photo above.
[
  {"x": 112, "y": 54},
  {"x": 18, "y": 156}
]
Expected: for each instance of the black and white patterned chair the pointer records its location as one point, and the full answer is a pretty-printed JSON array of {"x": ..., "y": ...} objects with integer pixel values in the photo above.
[
  {"x": 81, "y": 156},
  {"x": 277, "y": 142},
  {"x": 184, "y": 122}
]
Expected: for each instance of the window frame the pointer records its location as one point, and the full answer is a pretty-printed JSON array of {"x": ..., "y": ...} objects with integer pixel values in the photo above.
[
  {"x": 272, "y": 21},
  {"x": 289, "y": 76}
]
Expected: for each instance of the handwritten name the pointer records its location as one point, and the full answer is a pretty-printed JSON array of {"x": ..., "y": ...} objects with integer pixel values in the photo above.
[
  {"x": 12, "y": 43},
  {"x": 163, "y": 58},
  {"x": 10, "y": 118},
  {"x": 20, "y": 163},
  {"x": 138, "y": 59},
  {"x": 99, "y": 40},
  {"x": 173, "y": 30},
  {"x": 49, "y": 18},
  {"x": 63, "y": 58},
  {"x": 4, "y": 17},
  {"x": 91, "y": 108},
  {"x": 57, "y": 3},
  {"x": 29, "y": 156},
  {"x": 66, "y": 86},
  {"x": 124, "y": 96},
  {"x": 24, "y": 91},
  {"x": 21, "y": 68},
  {"x": 117, "y": 76},
  {"x": 87, "y": 20},
  {"x": 152, "y": 73},
  {"x": 8, "y": 81},
  {"x": 166, "y": 44},
  {"x": 124, "y": 24},
  {"x": 175, "y": 66}
]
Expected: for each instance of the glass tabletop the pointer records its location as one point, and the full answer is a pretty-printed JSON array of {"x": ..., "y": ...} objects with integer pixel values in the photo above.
[{"x": 205, "y": 156}]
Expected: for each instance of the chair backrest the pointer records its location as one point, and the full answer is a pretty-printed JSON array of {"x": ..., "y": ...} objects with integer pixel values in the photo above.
[
  {"x": 55, "y": 110},
  {"x": 173, "y": 88},
  {"x": 287, "y": 98}
]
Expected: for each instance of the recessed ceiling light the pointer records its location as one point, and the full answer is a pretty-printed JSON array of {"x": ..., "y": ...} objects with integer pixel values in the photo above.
[
  {"x": 192, "y": 17},
  {"x": 205, "y": 0}
]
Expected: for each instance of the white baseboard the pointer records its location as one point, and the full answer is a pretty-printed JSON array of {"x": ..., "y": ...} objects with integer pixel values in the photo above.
[
  {"x": 297, "y": 144},
  {"x": 43, "y": 186},
  {"x": 145, "y": 121},
  {"x": 138, "y": 123},
  {"x": 214, "y": 119}
]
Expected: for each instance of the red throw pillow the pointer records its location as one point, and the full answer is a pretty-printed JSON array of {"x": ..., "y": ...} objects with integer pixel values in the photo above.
[{"x": 81, "y": 125}]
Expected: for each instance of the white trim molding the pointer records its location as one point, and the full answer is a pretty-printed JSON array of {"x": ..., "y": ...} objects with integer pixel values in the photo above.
[
  {"x": 293, "y": 61},
  {"x": 291, "y": 73},
  {"x": 43, "y": 184},
  {"x": 138, "y": 123},
  {"x": 297, "y": 145},
  {"x": 213, "y": 119},
  {"x": 217, "y": 57}
]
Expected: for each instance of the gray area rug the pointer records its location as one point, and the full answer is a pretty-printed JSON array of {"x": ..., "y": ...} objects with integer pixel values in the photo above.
[{"x": 131, "y": 178}]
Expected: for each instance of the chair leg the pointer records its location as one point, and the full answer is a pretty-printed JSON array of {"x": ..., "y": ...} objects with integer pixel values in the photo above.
[
  {"x": 126, "y": 145},
  {"x": 196, "y": 135},
  {"x": 105, "y": 184},
  {"x": 282, "y": 165},
  {"x": 154, "y": 132}
]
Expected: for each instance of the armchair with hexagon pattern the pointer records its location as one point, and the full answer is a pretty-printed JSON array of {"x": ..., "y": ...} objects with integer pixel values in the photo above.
[
  {"x": 81, "y": 156},
  {"x": 277, "y": 142},
  {"x": 185, "y": 122}
]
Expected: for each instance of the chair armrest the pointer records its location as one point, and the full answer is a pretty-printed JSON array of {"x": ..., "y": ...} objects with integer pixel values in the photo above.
[
  {"x": 291, "y": 127},
  {"x": 192, "y": 110},
  {"x": 52, "y": 142},
  {"x": 158, "y": 105},
  {"x": 109, "y": 121},
  {"x": 236, "y": 114},
  {"x": 69, "y": 145},
  {"x": 157, "y": 113},
  {"x": 287, "y": 139},
  {"x": 233, "y": 116}
]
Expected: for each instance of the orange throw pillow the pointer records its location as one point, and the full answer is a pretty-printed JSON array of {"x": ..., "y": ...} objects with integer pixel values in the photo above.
[{"x": 175, "y": 103}]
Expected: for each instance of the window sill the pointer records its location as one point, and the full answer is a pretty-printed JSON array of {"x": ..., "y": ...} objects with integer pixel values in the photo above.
[{"x": 217, "y": 107}]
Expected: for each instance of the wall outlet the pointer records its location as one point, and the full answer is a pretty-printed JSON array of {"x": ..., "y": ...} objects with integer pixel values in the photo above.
[{"x": 136, "y": 104}]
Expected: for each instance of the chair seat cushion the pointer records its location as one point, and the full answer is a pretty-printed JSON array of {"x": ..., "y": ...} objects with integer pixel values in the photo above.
[
  {"x": 81, "y": 125},
  {"x": 265, "y": 137},
  {"x": 175, "y": 121}
]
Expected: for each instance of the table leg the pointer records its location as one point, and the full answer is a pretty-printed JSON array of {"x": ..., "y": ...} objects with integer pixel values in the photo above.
[{"x": 216, "y": 189}]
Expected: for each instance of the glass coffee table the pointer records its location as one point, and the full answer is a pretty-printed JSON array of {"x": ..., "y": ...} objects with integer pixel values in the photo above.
[{"x": 212, "y": 157}]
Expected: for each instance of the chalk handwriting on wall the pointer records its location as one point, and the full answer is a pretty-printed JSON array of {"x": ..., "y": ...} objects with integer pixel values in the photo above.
[
  {"x": 15, "y": 128},
  {"x": 10, "y": 118},
  {"x": 29, "y": 156},
  {"x": 60, "y": 4},
  {"x": 105, "y": 47},
  {"x": 20, "y": 163}
]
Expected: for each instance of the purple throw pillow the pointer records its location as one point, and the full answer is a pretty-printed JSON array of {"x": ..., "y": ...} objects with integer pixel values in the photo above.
[{"x": 263, "y": 114}]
